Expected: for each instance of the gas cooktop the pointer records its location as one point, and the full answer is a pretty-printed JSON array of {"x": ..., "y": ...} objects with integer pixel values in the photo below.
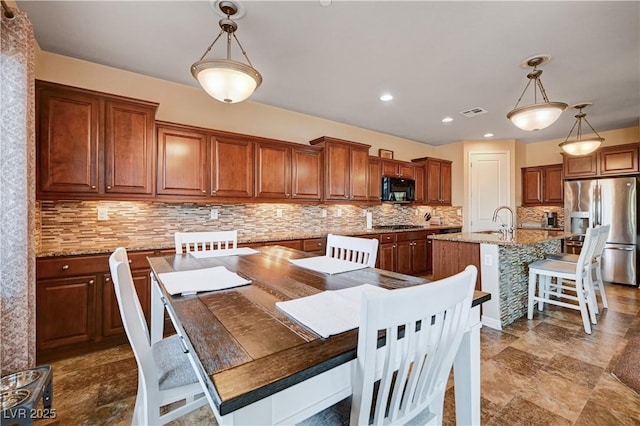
[{"x": 396, "y": 226}]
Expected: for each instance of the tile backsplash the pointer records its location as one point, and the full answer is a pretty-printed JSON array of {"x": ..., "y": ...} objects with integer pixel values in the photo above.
[
  {"x": 73, "y": 227},
  {"x": 537, "y": 214}
]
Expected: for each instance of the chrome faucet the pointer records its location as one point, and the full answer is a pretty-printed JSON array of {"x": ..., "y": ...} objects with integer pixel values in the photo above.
[{"x": 496, "y": 217}]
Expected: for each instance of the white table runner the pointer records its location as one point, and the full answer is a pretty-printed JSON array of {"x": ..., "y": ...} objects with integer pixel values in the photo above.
[
  {"x": 208, "y": 279},
  {"x": 329, "y": 312},
  {"x": 327, "y": 265},
  {"x": 225, "y": 252}
]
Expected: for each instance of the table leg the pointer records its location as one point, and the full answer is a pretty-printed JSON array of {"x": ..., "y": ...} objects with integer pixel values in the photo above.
[
  {"x": 466, "y": 373},
  {"x": 157, "y": 311}
]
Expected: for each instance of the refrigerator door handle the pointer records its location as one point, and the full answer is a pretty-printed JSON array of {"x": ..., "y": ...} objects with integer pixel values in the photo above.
[{"x": 621, "y": 248}]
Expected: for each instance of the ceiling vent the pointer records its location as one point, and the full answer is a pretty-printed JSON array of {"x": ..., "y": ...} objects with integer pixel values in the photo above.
[{"x": 473, "y": 112}]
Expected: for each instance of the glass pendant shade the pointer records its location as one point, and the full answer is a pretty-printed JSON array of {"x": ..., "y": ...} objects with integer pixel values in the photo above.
[
  {"x": 226, "y": 80},
  {"x": 581, "y": 146},
  {"x": 536, "y": 117}
]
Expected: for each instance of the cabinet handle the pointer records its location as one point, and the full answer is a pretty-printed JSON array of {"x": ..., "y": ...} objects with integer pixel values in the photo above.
[
  {"x": 346, "y": 196},
  {"x": 90, "y": 282},
  {"x": 107, "y": 279},
  {"x": 65, "y": 267},
  {"x": 108, "y": 187},
  {"x": 286, "y": 195},
  {"x": 204, "y": 192},
  {"x": 319, "y": 244},
  {"x": 93, "y": 187},
  {"x": 213, "y": 192},
  {"x": 130, "y": 260}
]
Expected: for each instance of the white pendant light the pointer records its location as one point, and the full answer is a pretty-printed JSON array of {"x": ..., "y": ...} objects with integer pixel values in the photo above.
[
  {"x": 224, "y": 79},
  {"x": 580, "y": 146},
  {"x": 537, "y": 115}
]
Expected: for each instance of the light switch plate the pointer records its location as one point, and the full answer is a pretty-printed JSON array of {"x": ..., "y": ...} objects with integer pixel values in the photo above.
[
  {"x": 214, "y": 214},
  {"x": 103, "y": 213}
]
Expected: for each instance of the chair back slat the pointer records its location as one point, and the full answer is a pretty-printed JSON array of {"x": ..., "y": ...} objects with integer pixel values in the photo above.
[
  {"x": 187, "y": 242},
  {"x": 423, "y": 328},
  {"x": 358, "y": 250}
]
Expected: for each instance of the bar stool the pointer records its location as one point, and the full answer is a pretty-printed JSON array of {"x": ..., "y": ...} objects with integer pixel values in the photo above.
[
  {"x": 579, "y": 273},
  {"x": 596, "y": 265}
]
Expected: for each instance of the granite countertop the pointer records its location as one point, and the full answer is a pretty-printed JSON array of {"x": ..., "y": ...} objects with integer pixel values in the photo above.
[
  {"x": 518, "y": 238},
  {"x": 543, "y": 227},
  {"x": 133, "y": 244}
]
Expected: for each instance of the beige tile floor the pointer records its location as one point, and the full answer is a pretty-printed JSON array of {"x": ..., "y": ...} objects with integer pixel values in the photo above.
[{"x": 546, "y": 371}]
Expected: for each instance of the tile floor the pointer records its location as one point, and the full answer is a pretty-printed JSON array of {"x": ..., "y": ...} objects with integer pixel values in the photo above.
[{"x": 544, "y": 371}]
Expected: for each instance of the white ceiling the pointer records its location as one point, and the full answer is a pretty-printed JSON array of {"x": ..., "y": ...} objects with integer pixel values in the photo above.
[{"x": 436, "y": 58}]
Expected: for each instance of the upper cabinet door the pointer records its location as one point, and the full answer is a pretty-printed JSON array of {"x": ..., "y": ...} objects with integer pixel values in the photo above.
[
  {"x": 183, "y": 168},
  {"x": 532, "y": 186},
  {"x": 337, "y": 167},
  {"x": 418, "y": 176},
  {"x": 232, "y": 171},
  {"x": 584, "y": 166},
  {"x": 619, "y": 160},
  {"x": 68, "y": 135},
  {"x": 445, "y": 183},
  {"x": 375, "y": 179},
  {"x": 273, "y": 170},
  {"x": 129, "y": 148},
  {"x": 359, "y": 172},
  {"x": 306, "y": 174},
  {"x": 553, "y": 185}
]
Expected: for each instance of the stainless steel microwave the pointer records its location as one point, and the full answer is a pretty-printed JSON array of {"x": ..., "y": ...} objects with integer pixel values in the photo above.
[{"x": 397, "y": 190}]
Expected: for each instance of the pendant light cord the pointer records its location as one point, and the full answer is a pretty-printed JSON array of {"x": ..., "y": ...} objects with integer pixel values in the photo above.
[{"x": 8, "y": 12}]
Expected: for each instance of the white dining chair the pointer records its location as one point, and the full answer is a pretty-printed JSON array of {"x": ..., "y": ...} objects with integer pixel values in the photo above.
[
  {"x": 353, "y": 249},
  {"x": 596, "y": 264},
  {"x": 404, "y": 380},
  {"x": 165, "y": 373},
  {"x": 579, "y": 274},
  {"x": 205, "y": 241}
]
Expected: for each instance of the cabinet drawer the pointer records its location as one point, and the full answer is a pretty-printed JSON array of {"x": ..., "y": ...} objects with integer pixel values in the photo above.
[
  {"x": 387, "y": 238},
  {"x": 314, "y": 244},
  {"x": 70, "y": 266},
  {"x": 411, "y": 235},
  {"x": 294, "y": 244}
]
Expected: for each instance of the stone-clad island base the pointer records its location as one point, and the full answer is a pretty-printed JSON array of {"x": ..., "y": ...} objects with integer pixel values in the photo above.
[{"x": 503, "y": 265}]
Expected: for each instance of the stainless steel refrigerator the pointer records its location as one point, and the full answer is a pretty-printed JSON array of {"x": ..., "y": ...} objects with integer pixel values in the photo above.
[{"x": 612, "y": 201}]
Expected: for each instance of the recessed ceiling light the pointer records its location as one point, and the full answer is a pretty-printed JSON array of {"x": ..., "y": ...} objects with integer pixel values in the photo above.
[
  {"x": 325, "y": 3},
  {"x": 488, "y": 135},
  {"x": 386, "y": 97},
  {"x": 447, "y": 120}
]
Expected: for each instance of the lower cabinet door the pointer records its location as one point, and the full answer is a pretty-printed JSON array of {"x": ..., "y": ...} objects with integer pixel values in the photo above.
[
  {"x": 419, "y": 256},
  {"x": 65, "y": 311},
  {"x": 403, "y": 264},
  {"x": 387, "y": 257},
  {"x": 111, "y": 319}
]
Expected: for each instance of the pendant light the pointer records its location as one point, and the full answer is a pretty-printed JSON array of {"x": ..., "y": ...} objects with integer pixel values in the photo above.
[
  {"x": 579, "y": 146},
  {"x": 224, "y": 79},
  {"x": 537, "y": 115}
]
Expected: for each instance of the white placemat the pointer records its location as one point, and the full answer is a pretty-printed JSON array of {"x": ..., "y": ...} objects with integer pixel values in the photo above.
[
  {"x": 225, "y": 252},
  {"x": 208, "y": 279},
  {"x": 329, "y": 312},
  {"x": 327, "y": 265}
]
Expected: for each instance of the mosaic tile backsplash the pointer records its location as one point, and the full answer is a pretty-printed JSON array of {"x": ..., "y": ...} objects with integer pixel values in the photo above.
[
  {"x": 72, "y": 227},
  {"x": 537, "y": 214}
]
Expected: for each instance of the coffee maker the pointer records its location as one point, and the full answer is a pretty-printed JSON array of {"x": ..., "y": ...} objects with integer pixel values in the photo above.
[{"x": 552, "y": 219}]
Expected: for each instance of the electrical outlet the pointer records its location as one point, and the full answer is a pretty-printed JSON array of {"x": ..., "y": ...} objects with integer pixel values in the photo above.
[
  {"x": 278, "y": 212},
  {"x": 459, "y": 212},
  {"x": 339, "y": 213},
  {"x": 364, "y": 213},
  {"x": 416, "y": 212},
  {"x": 214, "y": 214},
  {"x": 103, "y": 213},
  {"x": 323, "y": 213},
  {"x": 488, "y": 260}
]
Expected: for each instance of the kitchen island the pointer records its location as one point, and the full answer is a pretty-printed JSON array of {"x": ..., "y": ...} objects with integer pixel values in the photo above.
[{"x": 503, "y": 264}]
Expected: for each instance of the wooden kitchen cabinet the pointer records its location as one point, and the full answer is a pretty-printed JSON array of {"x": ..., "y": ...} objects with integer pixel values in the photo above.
[
  {"x": 398, "y": 169},
  {"x": 315, "y": 245},
  {"x": 437, "y": 180},
  {"x": 543, "y": 185},
  {"x": 618, "y": 160},
  {"x": 65, "y": 311},
  {"x": 375, "y": 179},
  {"x": 418, "y": 176},
  {"x": 387, "y": 255},
  {"x": 232, "y": 167},
  {"x": 346, "y": 169},
  {"x": 608, "y": 161},
  {"x": 91, "y": 145},
  {"x": 76, "y": 308},
  {"x": 285, "y": 171},
  {"x": 429, "y": 266},
  {"x": 183, "y": 161},
  {"x": 411, "y": 252}
]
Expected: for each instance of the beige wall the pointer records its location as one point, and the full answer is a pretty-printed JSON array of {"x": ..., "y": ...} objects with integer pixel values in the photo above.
[{"x": 191, "y": 105}]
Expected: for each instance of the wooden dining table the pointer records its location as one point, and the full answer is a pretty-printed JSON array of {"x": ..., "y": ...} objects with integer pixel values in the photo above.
[{"x": 257, "y": 365}]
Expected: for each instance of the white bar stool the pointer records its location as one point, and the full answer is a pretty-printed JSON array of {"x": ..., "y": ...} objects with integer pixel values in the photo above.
[{"x": 579, "y": 272}]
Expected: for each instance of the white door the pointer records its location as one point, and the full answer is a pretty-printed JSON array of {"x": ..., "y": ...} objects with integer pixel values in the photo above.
[{"x": 489, "y": 187}]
